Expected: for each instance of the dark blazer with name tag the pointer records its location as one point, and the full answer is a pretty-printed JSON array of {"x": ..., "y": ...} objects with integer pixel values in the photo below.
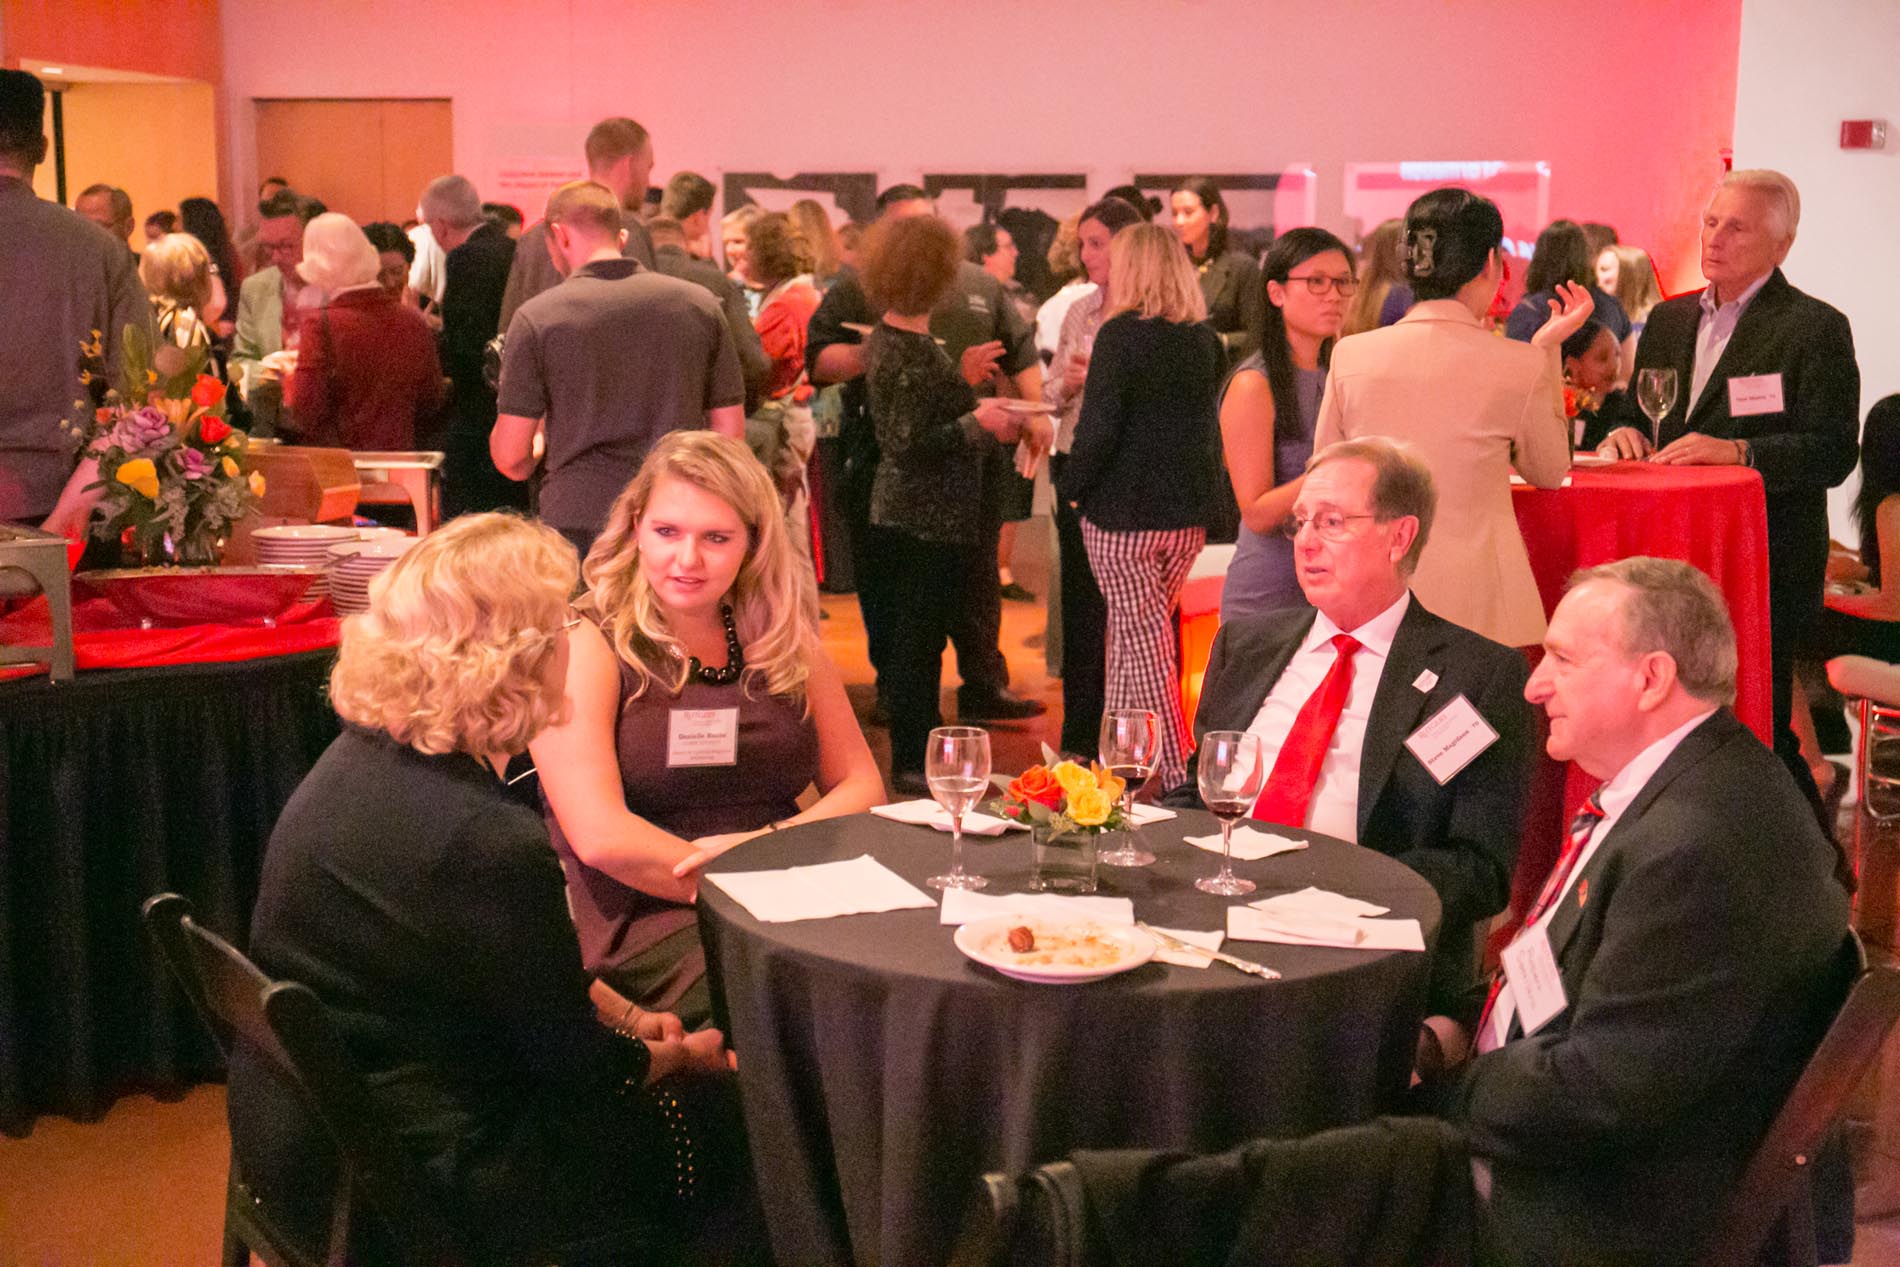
[
  {"x": 1699, "y": 952},
  {"x": 1803, "y": 450},
  {"x": 1462, "y": 836}
]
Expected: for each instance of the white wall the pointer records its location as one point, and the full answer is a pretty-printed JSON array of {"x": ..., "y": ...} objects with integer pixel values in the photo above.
[
  {"x": 1805, "y": 66},
  {"x": 1628, "y": 100}
]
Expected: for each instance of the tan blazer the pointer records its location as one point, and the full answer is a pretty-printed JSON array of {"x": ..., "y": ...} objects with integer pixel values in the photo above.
[{"x": 1474, "y": 406}]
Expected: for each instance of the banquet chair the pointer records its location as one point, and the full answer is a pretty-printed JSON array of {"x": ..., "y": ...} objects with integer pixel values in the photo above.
[
  {"x": 1873, "y": 687},
  {"x": 1038, "y": 1220},
  {"x": 1769, "y": 1217},
  {"x": 378, "y": 1208}
]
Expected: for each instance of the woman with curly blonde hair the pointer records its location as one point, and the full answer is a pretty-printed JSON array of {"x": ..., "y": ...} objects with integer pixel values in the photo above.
[
  {"x": 702, "y": 706},
  {"x": 418, "y": 897}
]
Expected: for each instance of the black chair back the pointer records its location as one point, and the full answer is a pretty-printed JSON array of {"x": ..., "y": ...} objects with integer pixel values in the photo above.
[
  {"x": 283, "y": 1027},
  {"x": 1038, "y": 1220},
  {"x": 1769, "y": 1218}
]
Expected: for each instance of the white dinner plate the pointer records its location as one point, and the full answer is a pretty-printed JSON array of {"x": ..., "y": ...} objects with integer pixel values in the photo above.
[{"x": 987, "y": 942}]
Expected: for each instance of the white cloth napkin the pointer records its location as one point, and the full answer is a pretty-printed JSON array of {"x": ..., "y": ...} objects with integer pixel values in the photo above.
[
  {"x": 924, "y": 813},
  {"x": 1317, "y": 917},
  {"x": 1250, "y": 843},
  {"x": 1145, "y": 814},
  {"x": 856, "y": 886},
  {"x": 961, "y": 906},
  {"x": 1187, "y": 958}
]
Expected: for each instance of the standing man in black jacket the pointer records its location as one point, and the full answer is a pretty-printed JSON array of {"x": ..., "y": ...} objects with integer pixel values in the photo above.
[
  {"x": 1766, "y": 378},
  {"x": 478, "y": 260}
]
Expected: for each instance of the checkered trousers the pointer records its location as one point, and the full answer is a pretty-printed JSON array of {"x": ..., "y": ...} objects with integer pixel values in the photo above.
[{"x": 1141, "y": 575}]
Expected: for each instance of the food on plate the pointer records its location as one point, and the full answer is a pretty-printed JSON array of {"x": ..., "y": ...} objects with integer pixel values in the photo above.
[{"x": 1061, "y": 946}]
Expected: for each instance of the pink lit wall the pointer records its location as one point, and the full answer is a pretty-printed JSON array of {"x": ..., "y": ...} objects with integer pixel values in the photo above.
[{"x": 1628, "y": 101}]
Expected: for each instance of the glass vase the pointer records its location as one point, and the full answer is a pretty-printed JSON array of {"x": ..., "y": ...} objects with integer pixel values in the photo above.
[{"x": 1065, "y": 861}]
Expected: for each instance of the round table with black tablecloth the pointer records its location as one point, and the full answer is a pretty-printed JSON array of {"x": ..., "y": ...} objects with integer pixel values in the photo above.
[
  {"x": 118, "y": 785},
  {"x": 883, "y": 1072}
]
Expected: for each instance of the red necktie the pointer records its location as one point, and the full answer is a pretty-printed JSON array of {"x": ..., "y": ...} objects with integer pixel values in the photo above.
[
  {"x": 1581, "y": 829},
  {"x": 1289, "y": 790}
]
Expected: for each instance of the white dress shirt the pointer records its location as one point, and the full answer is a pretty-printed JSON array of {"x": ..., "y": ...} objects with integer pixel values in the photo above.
[
  {"x": 1334, "y": 808},
  {"x": 1613, "y": 797},
  {"x": 1716, "y": 328}
]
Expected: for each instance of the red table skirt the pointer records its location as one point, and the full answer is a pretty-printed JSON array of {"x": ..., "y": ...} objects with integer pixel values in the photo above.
[{"x": 106, "y": 638}]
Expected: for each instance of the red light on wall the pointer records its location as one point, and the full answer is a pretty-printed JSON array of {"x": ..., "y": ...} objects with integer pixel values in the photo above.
[{"x": 1863, "y": 134}]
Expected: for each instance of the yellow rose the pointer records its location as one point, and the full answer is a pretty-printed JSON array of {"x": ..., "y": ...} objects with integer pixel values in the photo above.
[
  {"x": 1072, "y": 777},
  {"x": 1090, "y": 807},
  {"x": 257, "y": 482},
  {"x": 139, "y": 475},
  {"x": 230, "y": 467}
]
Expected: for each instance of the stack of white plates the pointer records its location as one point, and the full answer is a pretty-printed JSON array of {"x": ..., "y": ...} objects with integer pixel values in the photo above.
[
  {"x": 354, "y": 564},
  {"x": 300, "y": 546}
]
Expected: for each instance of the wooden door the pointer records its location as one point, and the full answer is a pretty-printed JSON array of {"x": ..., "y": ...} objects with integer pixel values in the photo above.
[{"x": 368, "y": 159}]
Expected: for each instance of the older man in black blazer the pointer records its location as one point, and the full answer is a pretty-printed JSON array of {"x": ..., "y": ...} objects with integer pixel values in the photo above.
[
  {"x": 1765, "y": 377},
  {"x": 1691, "y": 944},
  {"x": 1363, "y": 515}
]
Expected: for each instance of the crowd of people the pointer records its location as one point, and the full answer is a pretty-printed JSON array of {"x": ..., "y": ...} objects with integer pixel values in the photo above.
[{"x": 1354, "y": 415}]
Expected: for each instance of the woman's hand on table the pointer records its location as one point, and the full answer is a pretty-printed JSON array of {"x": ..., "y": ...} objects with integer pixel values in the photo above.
[
  {"x": 706, "y": 848},
  {"x": 1625, "y": 444},
  {"x": 1568, "y": 311},
  {"x": 703, "y": 1051},
  {"x": 618, "y": 1012},
  {"x": 1696, "y": 449}
]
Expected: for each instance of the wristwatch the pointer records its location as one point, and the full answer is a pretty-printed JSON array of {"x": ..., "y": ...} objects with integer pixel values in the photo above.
[{"x": 1747, "y": 453}]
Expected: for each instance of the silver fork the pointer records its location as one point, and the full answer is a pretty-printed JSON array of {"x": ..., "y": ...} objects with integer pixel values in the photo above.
[{"x": 1247, "y": 966}]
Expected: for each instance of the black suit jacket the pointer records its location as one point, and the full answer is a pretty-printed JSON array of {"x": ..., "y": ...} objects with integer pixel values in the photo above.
[
  {"x": 1699, "y": 954},
  {"x": 1802, "y": 451},
  {"x": 1462, "y": 837},
  {"x": 476, "y": 274}
]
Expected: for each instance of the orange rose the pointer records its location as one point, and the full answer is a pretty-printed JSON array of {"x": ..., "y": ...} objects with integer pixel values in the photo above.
[
  {"x": 207, "y": 391},
  {"x": 1038, "y": 785}
]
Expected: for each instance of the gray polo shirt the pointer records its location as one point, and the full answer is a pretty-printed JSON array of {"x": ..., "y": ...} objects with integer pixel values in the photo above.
[
  {"x": 61, "y": 277},
  {"x": 614, "y": 357}
]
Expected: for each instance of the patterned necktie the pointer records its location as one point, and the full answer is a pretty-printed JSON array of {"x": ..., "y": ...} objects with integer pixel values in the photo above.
[
  {"x": 1582, "y": 827},
  {"x": 1289, "y": 791}
]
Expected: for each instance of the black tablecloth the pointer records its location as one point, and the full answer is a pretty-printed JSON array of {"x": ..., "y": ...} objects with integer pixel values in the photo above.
[
  {"x": 883, "y": 1072},
  {"x": 118, "y": 785}
]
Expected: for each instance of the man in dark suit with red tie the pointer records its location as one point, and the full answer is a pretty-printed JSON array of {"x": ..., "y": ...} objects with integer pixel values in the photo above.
[
  {"x": 1766, "y": 378},
  {"x": 1681, "y": 963},
  {"x": 1334, "y": 693}
]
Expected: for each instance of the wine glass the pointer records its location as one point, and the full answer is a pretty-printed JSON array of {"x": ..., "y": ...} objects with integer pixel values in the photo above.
[
  {"x": 1231, "y": 773},
  {"x": 1130, "y": 746},
  {"x": 1656, "y": 393},
  {"x": 957, "y": 766}
]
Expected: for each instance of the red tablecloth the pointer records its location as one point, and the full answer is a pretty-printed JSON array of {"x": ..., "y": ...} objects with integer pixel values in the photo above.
[
  {"x": 1711, "y": 516},
  {"x": 106, "y": 638}
]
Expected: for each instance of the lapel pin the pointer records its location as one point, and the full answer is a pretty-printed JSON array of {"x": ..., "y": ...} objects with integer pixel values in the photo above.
[
  {"x": 1426, "y": 680},
  {"x": 1583, "y": 893}
]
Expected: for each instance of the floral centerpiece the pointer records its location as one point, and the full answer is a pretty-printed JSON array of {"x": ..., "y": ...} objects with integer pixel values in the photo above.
[
  {"x": 1066, "y": 806},
  {"x": 172, "y": 472}
]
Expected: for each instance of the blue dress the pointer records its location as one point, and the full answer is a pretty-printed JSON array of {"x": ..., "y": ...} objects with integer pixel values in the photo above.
[{"x": 1261, "y": 577}]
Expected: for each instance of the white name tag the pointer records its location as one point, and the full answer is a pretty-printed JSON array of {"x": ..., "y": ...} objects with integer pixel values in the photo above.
[
  {"x": 702, "y": 736},
  {"x": 1760, "y": 394},
  {"x": 1537, "y": 989},
  {"x": 1450, "y": 738}
]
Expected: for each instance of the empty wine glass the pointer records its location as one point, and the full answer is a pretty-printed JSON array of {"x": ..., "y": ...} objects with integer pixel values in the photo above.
[
  {"x": 1130, "y": 747},
  {"x": 1656, "y": 393},
  {"x": 957, "y": 766},
  {"x": 1231, "y": 772}
]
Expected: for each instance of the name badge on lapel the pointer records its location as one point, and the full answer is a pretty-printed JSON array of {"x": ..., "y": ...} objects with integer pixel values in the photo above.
[
  {"x": 1450, "y": 739},
  {"x": 702, "y": 736},
  {"x": 1756, "y": 394},
  {"x": 1537, "y": 988}
]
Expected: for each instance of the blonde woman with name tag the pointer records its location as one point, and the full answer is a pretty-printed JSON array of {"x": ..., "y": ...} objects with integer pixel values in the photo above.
[{"x": 702, "y": 706}]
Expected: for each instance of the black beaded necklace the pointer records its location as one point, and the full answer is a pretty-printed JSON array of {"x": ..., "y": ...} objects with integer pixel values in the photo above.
[{"x": 735, "y": 656}]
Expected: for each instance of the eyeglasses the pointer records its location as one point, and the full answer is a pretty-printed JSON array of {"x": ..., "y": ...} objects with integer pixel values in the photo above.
[
  {"x": 1329, "y": 524},
  {"x": 1320, "y": 283}
]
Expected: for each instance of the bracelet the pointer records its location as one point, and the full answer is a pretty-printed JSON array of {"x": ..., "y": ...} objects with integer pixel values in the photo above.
[
  {"x": 626, "y": 1021},
  {"x": 772, "y": 826}
]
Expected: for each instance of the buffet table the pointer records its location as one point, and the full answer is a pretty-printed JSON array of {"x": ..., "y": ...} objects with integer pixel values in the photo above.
[
  {"x": 125, "y": 782},
  {"x": 883, "y": 1072}
]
